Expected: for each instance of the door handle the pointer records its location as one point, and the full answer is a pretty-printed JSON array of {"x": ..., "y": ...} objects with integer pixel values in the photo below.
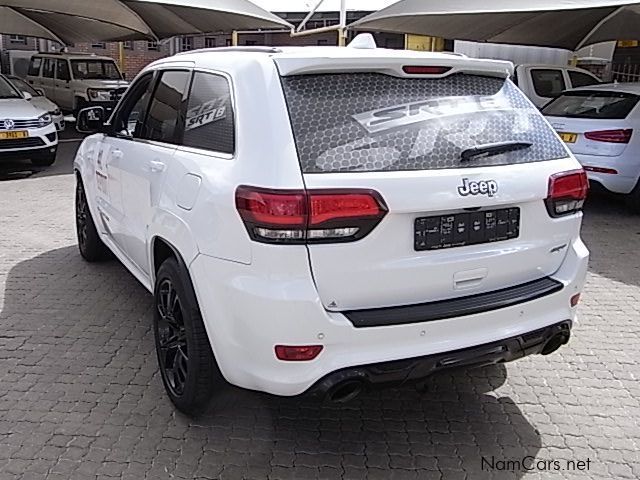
[{"x": 156, "y": 166}]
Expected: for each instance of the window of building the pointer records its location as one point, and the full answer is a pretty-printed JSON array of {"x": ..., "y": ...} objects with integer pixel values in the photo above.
[
  {"x": 210, "y": 120},
  {"x": 101, "y": 45},
  {"x": 18, "y": 39},
  {"x": 128, "y": 45},
  {"x": 165, "y": 110},
  {"x": 153, "y": 46},
  {"x": 186, "y": 44},
  {"x": 228, "y": 42},
  {"x": 210, "y": 42}
]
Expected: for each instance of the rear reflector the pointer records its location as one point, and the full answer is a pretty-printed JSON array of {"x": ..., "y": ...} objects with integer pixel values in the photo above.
[
  {"x": 567, "y": 192},
  {"x": 313, "y": 216},
  {"x": 575, "y": 300},
  {"x": 610, "y": 136},
  {"x": 424, "y": 70},
  {"x": 610, "y": 171},
  {"x": 303, "y": 353}
]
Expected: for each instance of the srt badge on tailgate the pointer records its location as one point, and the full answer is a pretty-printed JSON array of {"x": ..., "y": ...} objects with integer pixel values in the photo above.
[{"x": 483, "y": 187}]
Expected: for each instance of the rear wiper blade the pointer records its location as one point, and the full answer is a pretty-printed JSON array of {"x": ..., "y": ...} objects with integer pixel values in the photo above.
[{"x": 491, "y": 149}]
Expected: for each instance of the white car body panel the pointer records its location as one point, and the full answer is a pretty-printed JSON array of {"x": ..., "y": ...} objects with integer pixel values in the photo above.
[{"x": 253, "y": 295}]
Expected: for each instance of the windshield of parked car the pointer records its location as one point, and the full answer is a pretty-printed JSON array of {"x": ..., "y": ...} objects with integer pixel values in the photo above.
[
  {"x": 7, "y": 90},
  {"x": 606, "y": 105},
  {"x": 95, "y": 70},
  {"x": 24, "y": 86}
]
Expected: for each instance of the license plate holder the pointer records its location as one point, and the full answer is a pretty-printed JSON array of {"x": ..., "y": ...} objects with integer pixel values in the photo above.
[
  {"x": 462, "y": 229},
  {"x": 14, "y": 135},
  {"x": 568, "y": 137}
]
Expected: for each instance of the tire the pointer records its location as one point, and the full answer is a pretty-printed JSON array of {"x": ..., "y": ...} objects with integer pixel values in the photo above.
[
  {"x": 187, "y": 365},
  {"x": 633, "y": 199},
  {"x": 89, "y": 243},
  {"x": 44, "y": 160}
]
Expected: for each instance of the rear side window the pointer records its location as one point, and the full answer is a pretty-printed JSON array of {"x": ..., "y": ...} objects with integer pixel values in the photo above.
[
  {"x": 165, "y": 110},
  {"x": 360, "y": 122},
  {"x": 579, "y": 79},
  {"x": 209, "y": 123},
  {"x": 592, "y": 104},
  {"x": 34, "y": 66},
  {"x": 548, "y": 82}
]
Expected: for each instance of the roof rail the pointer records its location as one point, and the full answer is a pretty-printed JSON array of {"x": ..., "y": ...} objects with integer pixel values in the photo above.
[{"x": 251, "y": 49}]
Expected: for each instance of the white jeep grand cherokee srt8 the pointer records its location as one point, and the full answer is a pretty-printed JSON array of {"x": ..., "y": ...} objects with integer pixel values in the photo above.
[{"x": 324, "y": 219}]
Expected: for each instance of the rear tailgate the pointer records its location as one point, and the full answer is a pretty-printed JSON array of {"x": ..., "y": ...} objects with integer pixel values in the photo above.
[{"x": 453, "y": 228}]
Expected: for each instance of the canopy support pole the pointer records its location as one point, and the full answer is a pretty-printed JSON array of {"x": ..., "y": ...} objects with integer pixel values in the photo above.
[
  {"x": 342, "y": 31},
  {"x": 121, "y": 59}
]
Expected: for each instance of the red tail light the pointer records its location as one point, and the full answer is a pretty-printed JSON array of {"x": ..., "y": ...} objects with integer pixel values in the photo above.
[
  {"x": 314, "y": 216},
  {"x": 567, "y": 192},
  {"x": 424, "y": 70},
  {"x": 303, "y": 353},
  {"x": 610, "y": 136}
]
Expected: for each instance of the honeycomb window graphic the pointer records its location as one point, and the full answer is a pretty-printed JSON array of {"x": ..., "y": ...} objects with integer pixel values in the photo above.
[{"x": 357, "y": 122}]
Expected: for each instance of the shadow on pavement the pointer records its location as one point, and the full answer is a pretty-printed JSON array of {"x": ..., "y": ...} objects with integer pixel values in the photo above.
[
  {"x": 82, "y": 329},
  {"x": 612, "y": 233}
]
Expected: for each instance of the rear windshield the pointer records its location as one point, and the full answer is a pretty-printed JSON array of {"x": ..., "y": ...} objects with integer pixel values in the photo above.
[
  {"x": 592, "y": 104},
  {"x": 363, "y": 122}
]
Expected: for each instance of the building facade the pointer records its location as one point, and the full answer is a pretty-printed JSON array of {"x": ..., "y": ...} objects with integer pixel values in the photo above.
[{"x": 138, "y": 54}]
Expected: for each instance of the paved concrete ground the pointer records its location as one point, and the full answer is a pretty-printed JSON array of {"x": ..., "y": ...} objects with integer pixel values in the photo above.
[{"x": 80, "y": 397}]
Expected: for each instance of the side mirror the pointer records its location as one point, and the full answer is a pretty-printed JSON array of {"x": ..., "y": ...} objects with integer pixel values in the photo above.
[
  {"x": 124, "y": 75},
  {"x": 40, "y": 92},
  {"x": 27, "y": 96},
  {"x": 91, "y": 120}
]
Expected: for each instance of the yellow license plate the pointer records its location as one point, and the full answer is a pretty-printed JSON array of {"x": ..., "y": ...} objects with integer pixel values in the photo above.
[
  {"x": 569, "y": 137},
  {"x": 13, "y": 135}
]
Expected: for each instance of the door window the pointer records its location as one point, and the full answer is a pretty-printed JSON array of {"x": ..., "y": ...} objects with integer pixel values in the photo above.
[
  {"x": 34, "y": 66},
  {"x": 548, "y": 82},
  {"x": 210, "y": 124},
  {"x": 49, "y": 68},
  {"x": 62, "y": 71},
  {"x": 579, "y": 79},
  {"x": 130, "y": 118},
  {"x": 167, "y": 109}
]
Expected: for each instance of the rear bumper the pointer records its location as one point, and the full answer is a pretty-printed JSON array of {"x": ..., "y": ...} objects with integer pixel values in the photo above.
[
  {"x": 248, "y": 309},
  {"x": 413, "y": 370},
  {"x": 627, "y": 166}
]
